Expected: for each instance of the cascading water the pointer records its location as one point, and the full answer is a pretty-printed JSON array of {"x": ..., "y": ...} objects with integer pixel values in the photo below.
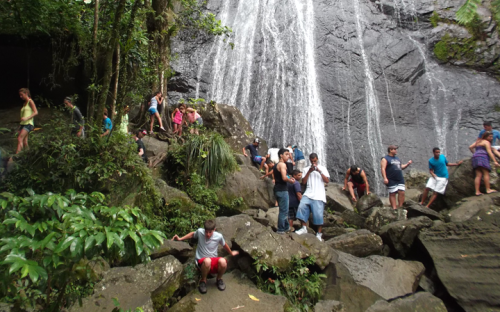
[
  {"x": 372, "y": 103},
  {"x": 275, "y": 85}
]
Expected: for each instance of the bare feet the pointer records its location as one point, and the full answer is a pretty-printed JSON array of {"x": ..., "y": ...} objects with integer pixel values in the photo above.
[{"x": 491, "y": 191}]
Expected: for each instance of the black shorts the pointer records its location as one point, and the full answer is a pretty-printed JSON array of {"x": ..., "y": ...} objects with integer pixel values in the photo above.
[
  {"x": 28, "y": 128},
  {"x": 289, "y": 168},
  {"x": 292, "y": 213}
]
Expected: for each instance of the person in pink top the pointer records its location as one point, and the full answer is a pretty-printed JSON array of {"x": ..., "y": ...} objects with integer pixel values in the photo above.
[
  {"x": 194, "y": 119},
  {"x": 177, "y": 118}
]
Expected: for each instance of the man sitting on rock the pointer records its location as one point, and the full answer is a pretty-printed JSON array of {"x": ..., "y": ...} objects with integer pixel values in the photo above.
[
  {"x": 357, "y": 181},
  {"x": 439, "y": 176},
  {"x": 206, "y": 254},
  {"x": 259, "y": 160},
  {"x": 314, "y": 197}
]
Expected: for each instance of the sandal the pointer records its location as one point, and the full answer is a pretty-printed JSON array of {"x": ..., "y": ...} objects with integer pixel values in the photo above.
[{"x": 491, "y": 191}]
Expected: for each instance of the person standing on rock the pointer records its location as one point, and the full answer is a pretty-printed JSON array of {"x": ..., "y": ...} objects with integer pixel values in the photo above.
[
  {"x": 298, "y": 157},
  {"x": 206, "y": 254},
  {"x": 294, "y": 197},
  {"x": 153, "y": 111},
  {"x": 356, "y": 181},
  {"x": 496, "y": 134},
  {"x": 281, "y": 190},
  {"x": 483, "y": 154},
  {"x": 392, "y": 172},
  {"x": 259, "y": 160},
  {"x": 77, "y": 118},
  {"x": 314, "y": 198},
  {"x": 439, "y": 176},
  {"x": 141, "y": 149}
]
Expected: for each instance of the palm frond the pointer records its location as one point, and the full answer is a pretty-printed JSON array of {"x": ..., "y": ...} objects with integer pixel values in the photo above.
[{"x": 467, "y": 12}]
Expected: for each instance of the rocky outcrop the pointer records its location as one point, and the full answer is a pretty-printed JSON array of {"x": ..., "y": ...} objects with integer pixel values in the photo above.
[
  {"x": 145, "y": 286},
  {"x": 336, "y": 199},
  {"x": 173, "y": 195},
  {"x": 471, "y": 207},
  {"x": 400, "y": 235},
  {"x": 419, "y": 302},
  {"x": 366, "y": 203},
  {"x": 381, "y": 216},
  {"x": 180, "y": 250},
  {"x": 466, "y": 256},
  {"x": 416, "y": 179},
  {"x": 154, "y": 147},
  {"x": 415, "y": 210},
  {"x": 360, "y": 243},
  {"x": 238, "y": 289},
  {"x": 329, "y": 306}
]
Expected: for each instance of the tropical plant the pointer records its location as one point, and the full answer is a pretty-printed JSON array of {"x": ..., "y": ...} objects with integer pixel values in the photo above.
[
  {"x": 468, "y": 11},
  {"x": 48, "y": 240},
  {"x": 297, "y": 282}
]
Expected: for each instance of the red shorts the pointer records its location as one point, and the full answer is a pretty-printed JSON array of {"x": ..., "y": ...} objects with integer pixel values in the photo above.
[
  {"x": 361, "y": 188},
  {"x": 214, "y": 267}
]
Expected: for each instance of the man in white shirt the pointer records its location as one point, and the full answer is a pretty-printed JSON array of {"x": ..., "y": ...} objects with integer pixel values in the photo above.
[{"x": 314, "y": 198}]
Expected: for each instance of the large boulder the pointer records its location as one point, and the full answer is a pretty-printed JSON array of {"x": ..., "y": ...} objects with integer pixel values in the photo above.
[
  {"x": 471, "y": 207},
  {"x": 329, "y": 306},
  {"x": 172, "y": 195},
  {"x": 321, "y": 251},
  {"x": 360, "y": 243},
  {"x": 400, "y": 235},
  {"x": 461, "y": 182},
  {"x": 366, "y": 203},
  {"x": 416, "y": 179},
  {"x": 154, "y": 147},
  {"x": 419, "y": 302},
  {"x": 465, "y": 256},
  {"x": 413, "y": 194},
  {"x": 238, "y": 289},
  {"x": 416, "y": 210},
  {"x": 180, "y": 250},
  {"x": 246, "y": 184},
  {"x": 353, "y": 219},
  {"x": 336, "y": 199},
  {"x": 380, "y": 216},
  {"x": 145, "y": 286}
]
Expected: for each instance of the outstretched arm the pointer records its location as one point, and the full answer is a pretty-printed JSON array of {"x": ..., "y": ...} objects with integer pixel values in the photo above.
[
  {"x": 457, "y": 163},
  {"x": 403, "y": 167},
  {"x": 188, "y": 236},
  {"x": 231, "y": 252}
]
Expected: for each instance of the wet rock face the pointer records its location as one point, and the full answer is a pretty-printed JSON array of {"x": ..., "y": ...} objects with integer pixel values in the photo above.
[{"x": 386, "y": 88}]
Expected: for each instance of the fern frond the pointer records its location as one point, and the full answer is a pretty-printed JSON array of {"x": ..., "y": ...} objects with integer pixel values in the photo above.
[{"x": 467, "y": 12}]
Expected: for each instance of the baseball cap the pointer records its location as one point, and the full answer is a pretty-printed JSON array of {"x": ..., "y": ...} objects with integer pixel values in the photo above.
[
  {"x": 144, "y": 132},
  {"x": 256, "y": 140},
  {"x": 294, "y": 146},
  {"x": 392, "y": 147}
]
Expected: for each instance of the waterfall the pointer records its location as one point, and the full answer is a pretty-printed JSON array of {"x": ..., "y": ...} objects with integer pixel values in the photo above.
[
  {"x": 270, "y": 75},
  {"x": 372, "y": 103}
]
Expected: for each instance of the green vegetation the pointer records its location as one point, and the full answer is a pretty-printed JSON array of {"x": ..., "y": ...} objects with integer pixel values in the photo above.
[
  {"x": 441, "y": 51},
  {"x": 434, "y": 19},
  {"x": 48, "y": 241},
  {"x": 297, "y": 283}
]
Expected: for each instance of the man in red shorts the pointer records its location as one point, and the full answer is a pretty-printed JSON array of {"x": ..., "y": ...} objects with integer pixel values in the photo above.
[
  {"x": 206, "y": 254},
  {"x": 357, "y": 181}
]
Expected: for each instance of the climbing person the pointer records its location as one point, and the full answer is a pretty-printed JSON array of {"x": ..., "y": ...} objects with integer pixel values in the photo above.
[
  {"x": 298, "y": 157},
  {"x": 273, "y": 153},
  {"x": 392, "y": 172},
  {"x": 141, "y": 149},
  {"x": 107, "y": 125},
  {"x": 206, "y": 254},
  {"x": 355, "y": 178},
  {"x": 281, "y": 190},
  {"x": 270, "y": 172},
  {"x": 290, "y": 163},
  {"x": 439, "y": 176},
  {"x": 153, "y": 111},
  {"x": 314, "y": 198},
  {"x": 124, "y": 123},
  {"x": 483, "y": 154},
  {"x": 294, "y": 197},
  {"x": 178, "y": 118},
  {"x": 77, "y": 118},
  {"x": 496, "y": 134},
  {"x": 194, "y": 119},
  {"x": 28, "y": 111},
  {"x": 259, "y": 160}
]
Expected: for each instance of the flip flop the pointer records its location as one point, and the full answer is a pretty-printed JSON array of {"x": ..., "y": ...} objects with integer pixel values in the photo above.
[
  {"x": 491, "y": 192},
  {"x": 479, "y": 194}
]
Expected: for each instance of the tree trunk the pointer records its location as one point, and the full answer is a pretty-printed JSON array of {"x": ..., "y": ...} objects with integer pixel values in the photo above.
[
  {"x": 108, "y": 63},
  {"x": 115, "y": 84},
  {"x": 93, "y": 68}
]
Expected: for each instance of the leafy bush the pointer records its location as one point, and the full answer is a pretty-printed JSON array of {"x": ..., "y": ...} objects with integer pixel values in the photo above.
[
  {"x": 297, "y": 283},
  {"x": 441, "y": 51},
  {"x": 48, "y": 240},
  {"x": 57, "y": 161}
]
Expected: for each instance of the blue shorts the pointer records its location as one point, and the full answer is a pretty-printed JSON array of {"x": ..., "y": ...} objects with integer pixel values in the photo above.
[
  {"x": 307, "y": 206},
  {"x": 28, "y": 128},
  {"x": 257, "y": 159},
  {"x": 152, "y": 111},
  {"x": 198, "y": 123}
]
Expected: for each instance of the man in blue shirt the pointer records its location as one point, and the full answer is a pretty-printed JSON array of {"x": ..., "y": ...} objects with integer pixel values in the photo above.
[
  {"x": 439, "y": 176},
  {"x": 259, "y": 160},
  {"x": 496, "y": 134},
  {"x": 298, "y": 158}
]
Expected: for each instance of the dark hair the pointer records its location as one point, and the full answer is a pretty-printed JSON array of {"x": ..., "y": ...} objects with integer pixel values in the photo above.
[
  {"x": 138, "y": 133},
  {"x": 313, "y": 155},
  {"x": 25, "y": 91},
  {"x": 282, "y": 151},
  {"x": 487, "y": 123},
  {"x": 436, "y": 149},
  {"x": 181, "y": 105},
  {"x": 295, "y": 172},
  {"x": 68, "y": 98},
  {"x": 106, "y": 111},
  {"x": 210, "y": 225},
  {"x": 486, "y": 134},
  {"x": 157, "y": 92},
  {"x": 354, "y": 168}
]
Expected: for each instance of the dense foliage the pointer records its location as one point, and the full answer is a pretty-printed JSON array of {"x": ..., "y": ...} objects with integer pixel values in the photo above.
[
  {"x": 48, "y": 240},
  {"x": 468, "y": 11}
]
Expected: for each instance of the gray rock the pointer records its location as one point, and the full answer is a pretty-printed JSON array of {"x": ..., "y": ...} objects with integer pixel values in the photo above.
[
  {"x": 465, "y": 256},
  {"x": 419, "y": 302},
  {"x": 413, "y": 194},
  {"x": 171, "y": 194},
  {"x": 352, "y": 219},
  {"x": 180, "y": 250},
  {"x": 471, "y": 207},
  {"x": 319, "y": 250},
  {"x": 329, "y": 306},
  {"x": 415, "y": 210},
  {"x": 331, "y": 232},
  {"x": 336, "y": 199},
  {"x": 154, "y": 147},
  {"x": 381, "y": 216},
  {"x": 416, "y": 179},
  {"x": 146, "y": 286},
  {"x": 360, "y": 243},
  {"x": 366, "y": 203},
  {"x": 400, "y": 235},
  {"x": 238, "y": 289},
  {"x": 272, "y": 216}
]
